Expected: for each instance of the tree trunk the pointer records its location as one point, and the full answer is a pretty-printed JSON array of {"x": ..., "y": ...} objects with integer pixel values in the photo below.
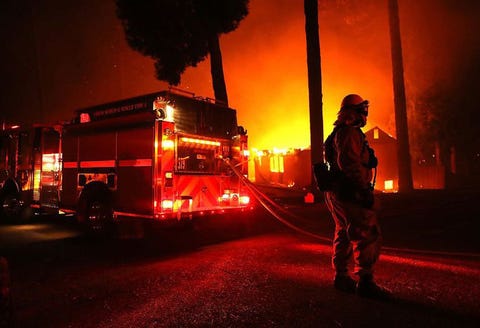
[
  {"x": 405, "y": 182},
  {"x": 314, "y": 82},
  {"x": 216, "y": 69}
]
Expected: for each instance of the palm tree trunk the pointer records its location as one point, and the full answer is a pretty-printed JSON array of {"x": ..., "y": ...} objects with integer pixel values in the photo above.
[
  {"x": 314, "y": 81},
  {"x": 405, "y": 182},
  {"x": 216, "y": 69}
]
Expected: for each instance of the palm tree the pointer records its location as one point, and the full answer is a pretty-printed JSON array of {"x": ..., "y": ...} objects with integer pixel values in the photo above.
[
  {"x": 178, "y": 34},
  {"x": 314, "y": 81},
  {"x": 405, "y": 182}
]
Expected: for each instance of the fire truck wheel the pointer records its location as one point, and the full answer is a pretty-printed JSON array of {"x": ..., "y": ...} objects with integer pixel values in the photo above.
[
  {"x": 95, "y": 209},
  {"x": 10, "y": 204}
]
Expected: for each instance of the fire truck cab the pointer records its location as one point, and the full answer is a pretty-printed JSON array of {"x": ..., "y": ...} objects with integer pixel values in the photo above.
[
  {"x": 165, "y": 155},
  {"x": 30, "y": 169}
]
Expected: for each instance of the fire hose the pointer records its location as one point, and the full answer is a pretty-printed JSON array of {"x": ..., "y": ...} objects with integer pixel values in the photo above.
[{"x": 271, "y": 206}]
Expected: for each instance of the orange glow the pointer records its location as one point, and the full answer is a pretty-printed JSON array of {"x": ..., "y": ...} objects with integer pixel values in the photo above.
[
  {"x": 388, "y": 184},
  {"x": 276, "y": 164},
  {"x": 267, "y": 79},
  {"x": 264, "y": 63},
  {"x": 277, "y": 151},
  {"x": 36, "y": 184}
]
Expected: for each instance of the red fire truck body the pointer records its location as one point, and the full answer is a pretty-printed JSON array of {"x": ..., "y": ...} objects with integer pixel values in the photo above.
[
  {"x": 162, "y": 155},
  {"x": 30, "y": 168}
]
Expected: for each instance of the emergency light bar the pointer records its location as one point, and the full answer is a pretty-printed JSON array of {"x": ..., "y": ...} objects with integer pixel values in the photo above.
[{"x": 200, "y": 141}]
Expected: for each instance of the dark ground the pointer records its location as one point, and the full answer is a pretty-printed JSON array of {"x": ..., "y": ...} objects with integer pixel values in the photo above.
[
  {"x": 435, "y": 220},
  {"x": 250, "y": 271}
]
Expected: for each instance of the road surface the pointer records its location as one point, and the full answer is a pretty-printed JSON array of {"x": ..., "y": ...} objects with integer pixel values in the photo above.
[{"x": 250, "y": 273}]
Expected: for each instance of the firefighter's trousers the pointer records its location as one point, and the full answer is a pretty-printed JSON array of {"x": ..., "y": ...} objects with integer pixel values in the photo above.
[{"x": 357, "y": 234}]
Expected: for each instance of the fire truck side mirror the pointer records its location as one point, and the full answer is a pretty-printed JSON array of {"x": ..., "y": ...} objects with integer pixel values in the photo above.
[
  {"x": 241, "y": 130},
  {"x": 160, "y": 114}
]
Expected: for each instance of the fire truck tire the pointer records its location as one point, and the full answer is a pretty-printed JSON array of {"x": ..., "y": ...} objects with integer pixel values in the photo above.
[
  {"x": 95, "y": 208},
  {"x": 10, "y": 204}
]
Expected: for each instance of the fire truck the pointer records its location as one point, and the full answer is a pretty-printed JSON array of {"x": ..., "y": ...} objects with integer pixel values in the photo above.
[
  {"x": 164, "y": 155},
  {"x": 30, "y": 170}
]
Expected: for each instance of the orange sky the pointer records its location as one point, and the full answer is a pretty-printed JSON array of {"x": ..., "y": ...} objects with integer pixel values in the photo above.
[
  {"x": 64, "y": 55},
  {"x": 266, "y": 76}
]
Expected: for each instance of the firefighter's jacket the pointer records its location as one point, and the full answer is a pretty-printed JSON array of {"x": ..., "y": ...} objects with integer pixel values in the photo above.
[{"x": 353, "y": 157}]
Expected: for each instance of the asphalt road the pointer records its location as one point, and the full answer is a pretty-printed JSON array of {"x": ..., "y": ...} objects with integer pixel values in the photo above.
[{"x": 248, "y": 271}]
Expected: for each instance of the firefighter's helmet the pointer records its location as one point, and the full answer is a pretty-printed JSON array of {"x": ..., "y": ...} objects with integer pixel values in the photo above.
[{"x": 353, "y": 101}]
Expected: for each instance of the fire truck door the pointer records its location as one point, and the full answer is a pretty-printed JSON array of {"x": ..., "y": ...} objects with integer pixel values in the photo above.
[{"x": 164, "y": 167}]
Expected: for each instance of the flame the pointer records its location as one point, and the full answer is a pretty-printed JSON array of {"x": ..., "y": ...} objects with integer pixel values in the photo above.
[
  {"x": 264, "y": 63},
  {"x": 267, "y": 79}
]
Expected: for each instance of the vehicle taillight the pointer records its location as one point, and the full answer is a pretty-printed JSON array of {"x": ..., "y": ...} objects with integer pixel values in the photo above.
[
  {"x": 233, "y": 198},
  {"x": 225, "y": 197},
  {"x": 168, "y": 144},
  {"x": 168, "y": 179},
  {"x": 244, "y": 200}
]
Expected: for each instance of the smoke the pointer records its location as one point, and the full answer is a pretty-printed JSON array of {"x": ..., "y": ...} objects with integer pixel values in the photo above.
[
  {"x": 67, "y": 55},
  {"x": 266, "y": 72}
]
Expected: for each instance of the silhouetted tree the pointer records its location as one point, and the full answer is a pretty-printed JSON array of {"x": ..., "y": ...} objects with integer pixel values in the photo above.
[
  {"x": 443, "y": 127},
  {"x": 178, "y": 34},
  {"x": 358, "y": 17},
  {"x": 405, "y": 180}
]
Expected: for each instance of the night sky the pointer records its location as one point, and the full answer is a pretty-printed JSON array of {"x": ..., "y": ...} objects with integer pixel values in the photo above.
[{"x": 58, "y": 56}]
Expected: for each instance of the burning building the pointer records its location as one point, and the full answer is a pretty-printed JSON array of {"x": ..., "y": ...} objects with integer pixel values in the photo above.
[{"x": 291, "y": 168}]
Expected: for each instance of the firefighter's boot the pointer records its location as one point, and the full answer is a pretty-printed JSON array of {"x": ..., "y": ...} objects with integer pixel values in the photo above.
[
  {"x": 366, "y": 287},
  {"x": 345, "y": 283}
]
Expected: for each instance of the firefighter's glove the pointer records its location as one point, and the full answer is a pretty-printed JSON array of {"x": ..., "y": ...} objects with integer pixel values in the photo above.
[{"x": 365, "y": 197}]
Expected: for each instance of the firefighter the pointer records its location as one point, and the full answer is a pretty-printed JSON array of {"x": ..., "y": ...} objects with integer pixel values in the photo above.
[{"x": 351, "y": 200}]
